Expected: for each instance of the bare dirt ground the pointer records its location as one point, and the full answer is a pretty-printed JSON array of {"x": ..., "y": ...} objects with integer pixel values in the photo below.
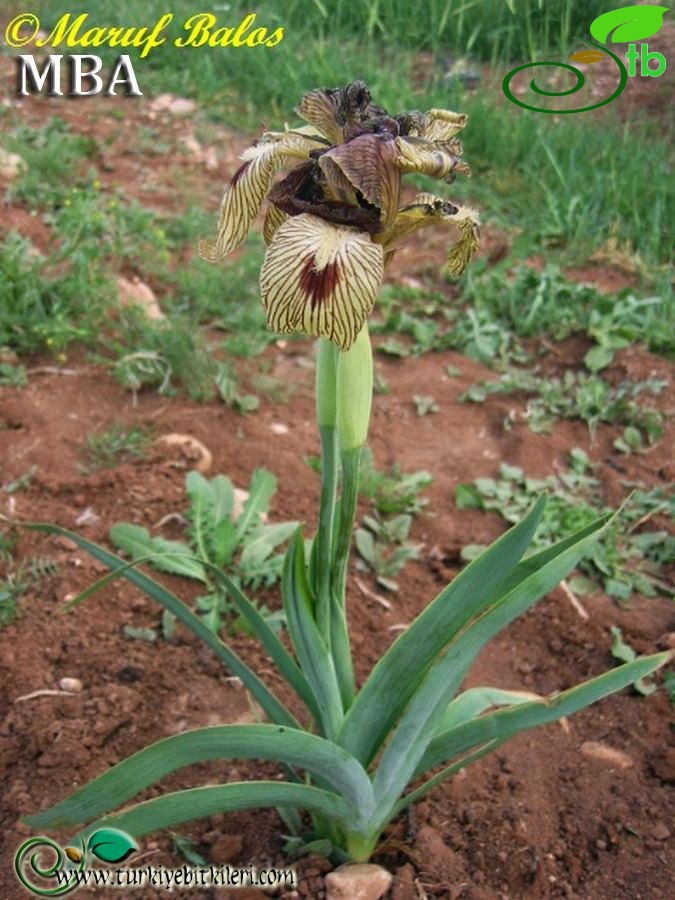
[{"x": 539, "y": 819}]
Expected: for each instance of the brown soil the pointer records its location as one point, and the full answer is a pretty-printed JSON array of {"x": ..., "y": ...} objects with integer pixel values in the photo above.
[{"x": 539, "y": 819}]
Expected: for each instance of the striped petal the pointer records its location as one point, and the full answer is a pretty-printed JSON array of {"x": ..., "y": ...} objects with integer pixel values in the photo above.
[
  {"x": 441, "y": 125},
  {"x": 368, "y": 162},
  {"x": 468, "y": 225},
  {"x": 320, "y": 279},
  {"x": 425, "y": 158},
  {"x": 426, "y": 210},
  {"x": 246, "y": 191},
  {"x": 334, "y": 112},
  {"x": 274, "y": 217}
]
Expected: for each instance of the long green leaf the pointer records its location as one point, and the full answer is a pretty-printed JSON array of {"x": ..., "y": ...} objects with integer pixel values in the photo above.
[
  {"x": 416, "y": 729},
  {"x": 272, "y": 706},
  {"x": 173, "y": 557},
  {"x": 504, "y": 723},
  {"x": 475, "y": 701},
  {"x": 313, "y": 655},
  {"x": 210, "y": 506},
  {"x": 396, "y": 676},
  {"x": 262, "y": 488},
  {"x": 281, "y": 657},
  {"x": 185, "y": 806},
  {"x": 270, "y": 742}
]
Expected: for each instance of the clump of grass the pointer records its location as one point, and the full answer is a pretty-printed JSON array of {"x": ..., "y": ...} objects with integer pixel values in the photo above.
[
  {"x": 117, "y": 443},
  {"x": 626, "y": 560}
]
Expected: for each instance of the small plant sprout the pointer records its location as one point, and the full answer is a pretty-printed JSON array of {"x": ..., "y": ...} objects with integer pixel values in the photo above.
[{"x": 356, "y": 756}]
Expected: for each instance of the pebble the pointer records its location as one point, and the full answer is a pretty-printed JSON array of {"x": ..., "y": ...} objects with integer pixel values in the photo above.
[
  {"x": 226, "y": 849},
  {"x": 361, "y": 881},
  {"x": 175, "y": 106},
  {"x": 660, "y": 831},
  {"x": 74, "y": 685},
  {"x": 11, "y": 165},
  {"x": 606, "y": 754},
  {"x": 138, "y": 293}
]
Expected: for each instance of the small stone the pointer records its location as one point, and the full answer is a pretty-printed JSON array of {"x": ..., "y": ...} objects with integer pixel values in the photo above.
[
  {"x": 138, "y": 293},
  {"x": 660, "y": 831},
  {"x": 226, "y": 849},
  {"x": 359, "y": 881},
  {"x": 175, "y": 106},
  {"x": 73, "y": 685},
  {"x": 11, "y": 165},
  {"x": 606, "y": 754},
  {"x": 279, "y": 428}
]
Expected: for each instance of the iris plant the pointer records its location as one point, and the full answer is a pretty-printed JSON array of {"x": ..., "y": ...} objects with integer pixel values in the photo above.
[{"x": 352, "y": 758}]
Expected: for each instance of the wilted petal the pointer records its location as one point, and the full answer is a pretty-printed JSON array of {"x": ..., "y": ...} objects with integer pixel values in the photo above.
[
  {"x": 467, "y": 222},
  {"x": 320, "y": 279},
  {"x": 335, "y": 111},
  {"x": 369, "y": 162},
  {"x": 426, "y": 210},
  {"x": 305, "y": 190},
  {"x": 442, "y": 125},
  {"x": 246, "y": 191},
  {"x": 423, "y": 211},
  {"x": 425, "y": 158}
]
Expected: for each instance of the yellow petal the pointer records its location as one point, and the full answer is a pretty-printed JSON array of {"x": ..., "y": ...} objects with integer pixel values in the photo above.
[
  {"x": 274, "y": 217},
  {"x": 426, "y": 210},
  {"x": 425, "y": 158},
  {"x": 320, "y": 278},
  {"x": 468, "y": 225},
  {"x": 369, "y": 164},
  {"x": 442, "y": 125},
  {"x": 246, "y": 191}
]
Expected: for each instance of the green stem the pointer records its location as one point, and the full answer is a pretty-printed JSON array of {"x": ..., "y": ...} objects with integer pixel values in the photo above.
[
  {"x": 324, "y": 536},
  {"x": 346, "y": 513},
  {"x": 326, "y": 373}
]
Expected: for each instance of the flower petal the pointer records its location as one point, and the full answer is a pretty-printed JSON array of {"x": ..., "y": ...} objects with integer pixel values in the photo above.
[
  {"x": 274, "y": 217},
  {"x": 442, "y": 125},
  {"x": 321, "y": 279},
  {"x": 425, "y": 210},
  {"x": 335, "y": 111},
  {"x": 305, "y": 190},
  {"x": 426, "y": 158},
  {"x": 246, "y": 191},
  {"x": 369, "y": 164},
  {"x": 468, "y": 225}
]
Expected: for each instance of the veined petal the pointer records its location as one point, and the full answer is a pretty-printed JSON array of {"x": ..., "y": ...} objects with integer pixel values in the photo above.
[
  {"x": 334, "y": 111},
  {"x": 369, "y": 162},
  {"x": 442, "y": 125},
  {"x": 468, "y": 225},
  {"x": 426, "y": 210},
  {"x": 246, "y": 191},
  {"x": 321, "y": 279},
  {"x": 425, "y": 158},
  {"x": 274, "y": 217}
]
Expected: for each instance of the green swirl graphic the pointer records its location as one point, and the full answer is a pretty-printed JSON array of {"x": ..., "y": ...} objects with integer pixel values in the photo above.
[
  {"x": 36, "y": 844},
  {"x": 577, "y": 87}
]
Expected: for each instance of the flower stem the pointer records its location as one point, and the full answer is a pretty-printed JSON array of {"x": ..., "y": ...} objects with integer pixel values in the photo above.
[{"x": 326, "y": 390}]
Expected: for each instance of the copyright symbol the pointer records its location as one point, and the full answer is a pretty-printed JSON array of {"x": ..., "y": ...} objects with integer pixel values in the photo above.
[{"x": 22, "y": 29}]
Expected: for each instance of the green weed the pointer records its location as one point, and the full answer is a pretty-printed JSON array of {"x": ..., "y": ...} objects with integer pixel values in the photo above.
[
  {"x": 118, "y": 442},
  {"x": 577, "y": 396},
  {"x": 384, "y": 547},
  {"x": 623, "y": 562},
  {"x": 222, "y": 534},
  {"x": 393, "y": 492}
]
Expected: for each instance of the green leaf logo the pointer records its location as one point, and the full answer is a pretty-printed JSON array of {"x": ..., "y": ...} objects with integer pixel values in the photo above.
[
  {"x": 631, "y": 23},
  {"x": 111, "y": 845}
]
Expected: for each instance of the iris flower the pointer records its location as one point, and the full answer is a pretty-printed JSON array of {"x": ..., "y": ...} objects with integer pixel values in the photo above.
[{"x": 335, "y": 219}]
